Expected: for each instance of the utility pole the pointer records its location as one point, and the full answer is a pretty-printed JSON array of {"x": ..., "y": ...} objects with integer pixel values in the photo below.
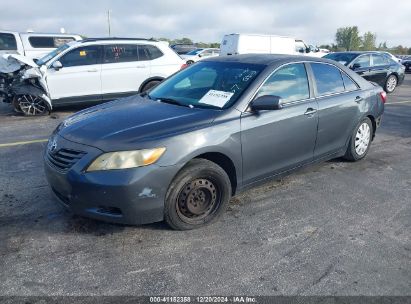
[{"x": 109, "y": 22}]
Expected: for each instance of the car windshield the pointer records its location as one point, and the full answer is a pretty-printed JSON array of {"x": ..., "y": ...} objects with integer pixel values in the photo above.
[
  {"x": 194, "y": 52},
  {"x": 52, "y": 54},
  {"x": 209, "y": 84},
  {"x": 343, "y": 58}
]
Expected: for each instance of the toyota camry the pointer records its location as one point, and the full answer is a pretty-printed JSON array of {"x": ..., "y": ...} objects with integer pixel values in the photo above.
[{"x": 180, "y": 151}]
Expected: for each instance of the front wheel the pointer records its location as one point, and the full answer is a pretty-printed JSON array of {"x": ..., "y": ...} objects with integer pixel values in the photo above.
[
  {"x": 31, "y": 105},
  {"x": 197, "y": 196},
  {"x": 391, "y": 83},
  {"x": 360, "y": 141}
]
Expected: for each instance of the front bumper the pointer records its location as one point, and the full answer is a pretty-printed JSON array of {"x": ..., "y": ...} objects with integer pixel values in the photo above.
[{"x": 131, "y": 196}]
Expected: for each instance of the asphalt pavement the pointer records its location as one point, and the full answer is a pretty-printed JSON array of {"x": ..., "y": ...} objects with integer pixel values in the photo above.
[{"x": 336, "y": 228}]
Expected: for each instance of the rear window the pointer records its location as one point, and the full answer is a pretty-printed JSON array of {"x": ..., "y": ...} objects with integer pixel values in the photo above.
[
  {"x": 328, "y": 79},
  {"x": 148, "y": 52},
  {"x": 8, "y": 42},
  {"x": 48, "y": 42}
]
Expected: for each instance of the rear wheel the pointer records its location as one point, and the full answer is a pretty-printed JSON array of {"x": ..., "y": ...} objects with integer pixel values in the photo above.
[
  {"x": 31, "y": 105},
  {"x": 391, "y": 83},
  {"x": 198, "y": 195},
  {"x": 360, "y": 141},
  {"x": 149, "y": 85}
]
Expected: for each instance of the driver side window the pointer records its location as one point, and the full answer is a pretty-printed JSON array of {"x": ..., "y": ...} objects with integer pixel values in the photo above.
[
  {"x": 80, "y": 56},
  {"x": 290, "y": 83}
]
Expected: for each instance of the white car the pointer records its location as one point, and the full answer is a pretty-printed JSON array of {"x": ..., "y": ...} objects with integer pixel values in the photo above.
[
  {"x": 92, "y": 70},
  {"x": 199, "y": 54},
  {"x": 33, "y": 45}
]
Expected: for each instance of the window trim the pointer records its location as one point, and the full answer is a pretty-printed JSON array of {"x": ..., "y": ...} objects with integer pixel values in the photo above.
[{"x": 310, "y": 92}]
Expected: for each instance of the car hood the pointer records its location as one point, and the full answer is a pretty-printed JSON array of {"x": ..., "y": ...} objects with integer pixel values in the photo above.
[
  {"x": 23, "y": 59},
  {"x": 125, "y": 123}
]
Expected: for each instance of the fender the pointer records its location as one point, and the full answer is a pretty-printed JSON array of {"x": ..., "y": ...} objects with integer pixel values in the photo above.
[{"x": 32, "y": 90}]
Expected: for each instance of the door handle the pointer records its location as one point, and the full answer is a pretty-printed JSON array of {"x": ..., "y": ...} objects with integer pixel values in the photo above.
[
  {"x": 310, "y": 111},
  {"x": 92, "y": 71},
  {"x": 140, "y": 66},
  {"x": 358, "y": 99}
]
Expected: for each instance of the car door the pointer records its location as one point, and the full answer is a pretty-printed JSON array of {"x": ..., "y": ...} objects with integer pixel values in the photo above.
[
  {"x": 125, "y": 67},
  {"x": 362, "y": 66},
  {"x": 79, "y": 79},
  {"x": 277, "y": 140},
  {"x": 339, "y": 99},
  {"x": 380, "y": 66}
]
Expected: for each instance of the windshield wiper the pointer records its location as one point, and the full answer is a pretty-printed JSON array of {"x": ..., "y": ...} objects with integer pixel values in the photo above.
[{"x": 171, "y": 101}]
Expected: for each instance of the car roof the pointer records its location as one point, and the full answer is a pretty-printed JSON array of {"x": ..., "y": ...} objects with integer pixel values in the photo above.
[
  {"x": 360, "y": 52},
  {"x": 267, "y": 59}
]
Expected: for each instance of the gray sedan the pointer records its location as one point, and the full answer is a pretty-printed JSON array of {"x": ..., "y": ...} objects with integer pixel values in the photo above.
[{"x": 218, "y": 127}]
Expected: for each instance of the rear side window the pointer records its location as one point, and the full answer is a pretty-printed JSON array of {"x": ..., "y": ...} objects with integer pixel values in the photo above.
[
  {"x": 153, "y": 52},
  {"x": 8, "y": 42},
  {"x": 328, "y": 79},
  {"x": 379, "y": 60},
  {"x": 86, "y": 55},
  {"x": 120, "y": 53},
  {"x": 349, "y": 84},
  {"x": 290, "y": 83},
  {"x": 48, "y": 42}
]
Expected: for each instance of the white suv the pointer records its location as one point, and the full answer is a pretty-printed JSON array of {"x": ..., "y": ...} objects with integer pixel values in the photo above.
[{"x": 94, "y": 70}]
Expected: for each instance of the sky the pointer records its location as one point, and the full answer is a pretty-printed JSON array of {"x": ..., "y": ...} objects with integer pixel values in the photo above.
[{"x": 314, "y": 21}]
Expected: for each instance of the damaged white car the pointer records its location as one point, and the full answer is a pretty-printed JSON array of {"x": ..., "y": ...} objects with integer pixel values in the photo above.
[{"x": 87, "y": 71}]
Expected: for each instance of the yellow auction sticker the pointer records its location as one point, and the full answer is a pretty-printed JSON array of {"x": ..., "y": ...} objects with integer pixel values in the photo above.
[{"x": 83, "y": 53}]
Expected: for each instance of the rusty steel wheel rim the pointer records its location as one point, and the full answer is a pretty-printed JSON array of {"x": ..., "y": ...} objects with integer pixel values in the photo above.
[{"x": 198, "y": 199}]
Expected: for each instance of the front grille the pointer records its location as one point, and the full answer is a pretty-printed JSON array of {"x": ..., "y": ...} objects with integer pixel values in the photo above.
[{"x": 64, "y": 159}]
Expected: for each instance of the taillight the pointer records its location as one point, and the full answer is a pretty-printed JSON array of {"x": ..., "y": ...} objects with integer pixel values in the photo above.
[
  {"x": 383, "y": 96},
  {"x": 184, "y": 66}
]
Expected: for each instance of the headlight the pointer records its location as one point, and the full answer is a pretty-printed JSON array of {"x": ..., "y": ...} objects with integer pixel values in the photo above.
[{"x": 126, "y": 159}]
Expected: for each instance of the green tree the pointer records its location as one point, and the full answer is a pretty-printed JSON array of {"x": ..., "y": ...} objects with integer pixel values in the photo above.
[
  {"x": 368, "y": 41},
  {"x": 348, "y": 38}
]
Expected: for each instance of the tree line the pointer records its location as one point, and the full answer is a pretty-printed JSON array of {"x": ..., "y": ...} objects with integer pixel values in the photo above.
[{"x": 349, "y": 39}]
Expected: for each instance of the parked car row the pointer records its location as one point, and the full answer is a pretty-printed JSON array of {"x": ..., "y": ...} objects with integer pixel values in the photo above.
[{"x": 103, "y": 69}]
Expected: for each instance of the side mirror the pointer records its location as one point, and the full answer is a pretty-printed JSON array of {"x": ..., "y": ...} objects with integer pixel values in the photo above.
[
  {"x": 355, "y": 66},
  {"x": 266, "y": 102},
  {"x": 57, "y": 65},
  {"x": 199, "y": 55}
]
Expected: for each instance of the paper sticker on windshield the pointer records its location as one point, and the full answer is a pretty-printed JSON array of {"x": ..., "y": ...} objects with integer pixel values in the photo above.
[
  {"x": 216, "y": 98},
  {"x": 83, "y": 53}
]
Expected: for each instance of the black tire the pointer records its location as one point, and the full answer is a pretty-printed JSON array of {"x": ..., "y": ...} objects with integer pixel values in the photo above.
[
  {"x": 190, "y": 62},
  {"x": 149, "y": 85},
  {"x": 391, "y": 83},
  {"x": 198, "y": 195},
  {"x": 31, "y": 105},
  {"x": 352, "y": 153}
]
